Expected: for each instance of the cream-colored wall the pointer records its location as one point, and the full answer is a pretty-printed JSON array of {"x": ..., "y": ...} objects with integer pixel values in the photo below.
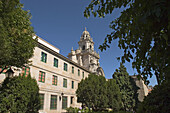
[
  {"x": 143, "y": 90},
  {"x": 47, "y": 88}
]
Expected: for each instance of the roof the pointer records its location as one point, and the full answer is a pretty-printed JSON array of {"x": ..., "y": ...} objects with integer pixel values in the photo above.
[
  {"x": 45, "y": 43},
  {"x": 55, "y": 53}
]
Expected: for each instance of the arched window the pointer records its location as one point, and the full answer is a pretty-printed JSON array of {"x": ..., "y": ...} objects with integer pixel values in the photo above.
[
  {"x": 90, "y": 46},
  {"x": 83, "y": 47}
]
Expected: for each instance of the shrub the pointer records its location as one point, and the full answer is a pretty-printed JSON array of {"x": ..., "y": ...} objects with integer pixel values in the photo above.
[
  {"x": 19, "y": 94},
  {"x": 77, "y": 110}
]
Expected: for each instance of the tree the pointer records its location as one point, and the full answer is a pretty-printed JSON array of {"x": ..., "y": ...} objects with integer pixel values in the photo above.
[
  {"x": 128, "y": 88},
  {"x": 114, "y": 96},
  {"x": 142, "y": 30},
  {"x": 16, "y": 34},
  {"x": 19, "y": 94},
  {"x": 97, "y": 93},
  {"x": 92, "y": 92},
  {"x": 158, "y": 101}
]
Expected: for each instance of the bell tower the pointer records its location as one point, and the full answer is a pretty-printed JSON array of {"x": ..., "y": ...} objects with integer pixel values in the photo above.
[
  {"x": 86, "y": 42},
  {"x": 85, "y": 54}
]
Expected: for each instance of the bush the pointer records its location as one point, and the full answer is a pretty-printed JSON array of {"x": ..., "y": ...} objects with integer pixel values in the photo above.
[
  {"x": 77, "y": 110},
  {"x": 86, "y": 110},
  {"x": 19, "y": 94}
]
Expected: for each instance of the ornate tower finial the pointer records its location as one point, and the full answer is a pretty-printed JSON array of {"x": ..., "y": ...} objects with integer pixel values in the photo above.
[
  {"x": 72, "y": 49},
  {"x": 85, "y": 29}
]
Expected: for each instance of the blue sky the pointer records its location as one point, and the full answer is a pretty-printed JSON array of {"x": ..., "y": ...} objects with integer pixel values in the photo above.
[{"x": 61, "y": 23}]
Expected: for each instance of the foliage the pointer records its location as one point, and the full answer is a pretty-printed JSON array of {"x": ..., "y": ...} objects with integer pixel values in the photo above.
[
  {"x": 92, "y": 92},
  {"x": 114, "y": 96},
  {"x": 72, "y": 110},
  {"x": 86, "y": 110},
  {"x": 97, "y": 93},
  {"x": 158, "y": 101},
  {"x": 77, "y": 110},
  {"x": 19, "y": 94},
  {"x": 16, "y": 34},
  {"x": 142, "y": 30},
  {"x": 128, "y": 88}
]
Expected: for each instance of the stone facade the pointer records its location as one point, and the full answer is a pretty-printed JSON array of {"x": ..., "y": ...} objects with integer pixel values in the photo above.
[
  {"x": 85, "y": 55},
  {"x": 58, "y": 76},
  {"x": 49, "y": 69},
  {"x": 143, "y": 90}
]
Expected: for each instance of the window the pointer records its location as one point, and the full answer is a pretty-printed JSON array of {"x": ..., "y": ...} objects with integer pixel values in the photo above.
[
  {"x": 55, "y": 62},
  {"x": 41, "y": 101},
  {"x": 71, "y": 100},
  {"x": 83, "y": 74},
  {"x": 64, "y": 82},
  {"x": 72, "y": 85},
  {"x": 83, "y": 47},
  {"x": 43, "y": 57},
  {"x": 78, "y": 72},
  {"x": 25, "y": 71},
  {"x": 54, "y": 81},
  {"x": 65, "y": 67},
  {"x": 72, "y": 69},
  {"x": 64, "y": 102},
  {"x": 41, "y": 76},
  {"x": 53, "y": 104}
]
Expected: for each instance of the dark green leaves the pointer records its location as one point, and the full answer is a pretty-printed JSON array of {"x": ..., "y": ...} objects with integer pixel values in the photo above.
[
  {"x": 142, "y": 30},
  {"x": 92, "y": 93},
  {"x": 157, "y": 101},
  {"x": 102, "y": 7},
  {"x": 19, "y": 94},
  {"x": 114, "y": 95},
  {"x": 97, "y": 93},
  {"x": 16, "y": 34},
  {"x": 128, "y": 88}
]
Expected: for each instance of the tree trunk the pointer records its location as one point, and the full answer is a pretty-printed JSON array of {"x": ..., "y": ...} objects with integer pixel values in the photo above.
[{"x": 157, "y": 78}]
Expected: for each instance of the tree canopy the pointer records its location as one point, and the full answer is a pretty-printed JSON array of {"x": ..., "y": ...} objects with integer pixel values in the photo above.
[
  {"x": 92, "y": 92},
  {"x": 128, "y": 88},
  {"x": 98, "y": 94},
  {"x": 16, "y": 34},
  {"x": 142, "y": 30},
  {"x": 114, "y": 95},
  {"x": 19, "y": 94}
]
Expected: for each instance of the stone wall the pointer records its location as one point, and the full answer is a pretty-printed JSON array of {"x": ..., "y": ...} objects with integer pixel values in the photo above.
[{"x": 143, "y": 90}]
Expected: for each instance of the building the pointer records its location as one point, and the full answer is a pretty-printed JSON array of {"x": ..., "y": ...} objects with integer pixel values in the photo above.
[
  {"x": 143, "y": 89},
  {"x": 85, "y": 54},
  {"x": 57, "y": 75},
  {"x": 150, "y": 88}
]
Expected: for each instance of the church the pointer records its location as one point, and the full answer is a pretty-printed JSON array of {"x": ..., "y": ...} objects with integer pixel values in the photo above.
[
  {"x": 58, "y": 76},
  {"x": 85, "y": 54}
]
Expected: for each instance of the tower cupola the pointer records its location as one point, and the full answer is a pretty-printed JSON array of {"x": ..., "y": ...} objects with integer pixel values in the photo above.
[
  {"x": 85, "y": 34},
  {"x": 86, "y": 42}
]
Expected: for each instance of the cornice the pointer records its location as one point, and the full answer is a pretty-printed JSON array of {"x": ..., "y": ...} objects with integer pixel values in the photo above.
[{"x": 61, "y": 56}]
